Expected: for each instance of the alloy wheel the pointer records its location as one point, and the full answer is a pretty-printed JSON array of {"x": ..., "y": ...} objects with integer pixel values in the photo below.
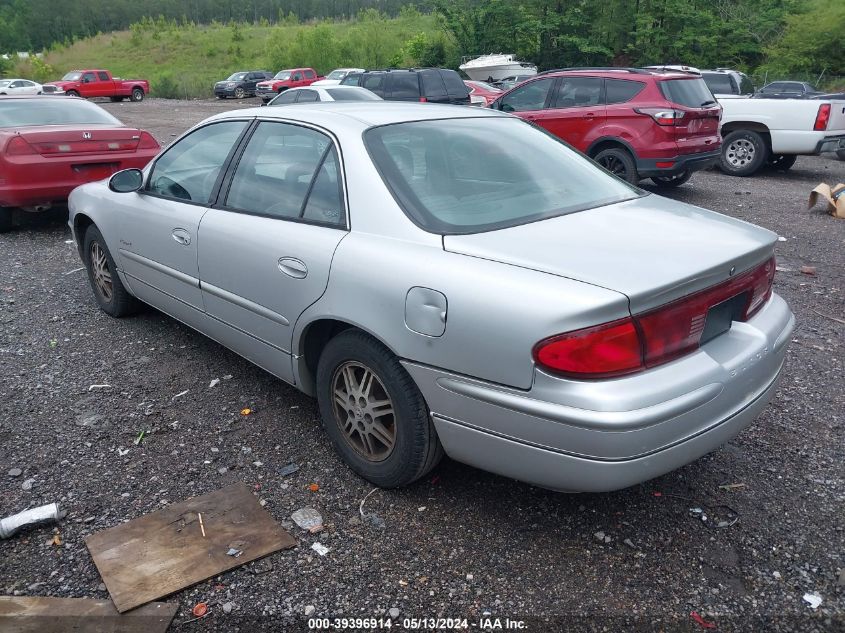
[
  {"x": 614, "y": 165},
  {"x": 100, "y": 271},
  {"x": 740, "y": 152},
  {"x": 363, "y": 411},
  {"x": 239, "y": 93}
]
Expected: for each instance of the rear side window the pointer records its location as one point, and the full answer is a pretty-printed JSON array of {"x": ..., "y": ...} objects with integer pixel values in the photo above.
[
  {"x": 746, "y": 87},
  {"x": 404, "y": 86},
  {"x": 103, "y": 76},
  {"x": 309, "y": 74},
  {"x": 578, "y": 91},
  {"x": 285, "y": 97},
  {"x": 341, "y": 94},
  {"x": 433, "y": 86},
  {"x": 454, "y": 86},
  {"x": 621, "y": 90},
  {"x": 308, "y": 95},
  {"x": 692, "y": 93},
  {"x": 719, "y": 84},
  {"x": 374, "y": 83},
  {"x": 351, "y": 79}
]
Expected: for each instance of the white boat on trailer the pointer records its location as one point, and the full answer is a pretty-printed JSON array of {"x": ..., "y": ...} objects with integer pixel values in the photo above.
[{"x": 495, "y": 67}]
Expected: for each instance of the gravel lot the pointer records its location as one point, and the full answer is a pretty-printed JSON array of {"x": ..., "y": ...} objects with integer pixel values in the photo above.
[{"x": 461, "y": 542}]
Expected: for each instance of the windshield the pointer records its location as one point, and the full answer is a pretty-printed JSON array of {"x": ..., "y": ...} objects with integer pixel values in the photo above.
[
  {"x": 237, "y": 77},
  {"x": 282, "y": 75},
  {"x": 23, "y": 112},
  {"x": 5, "y": 82},
  {"x": 692, "y": 93},
  {"x": 351, "y": 93},
  {"x": 337, "y": 75},
  {"x": 457, "y": 176},
  {"x": 72, "y": 76}
]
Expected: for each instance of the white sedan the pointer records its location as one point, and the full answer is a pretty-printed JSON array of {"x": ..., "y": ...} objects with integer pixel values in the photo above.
[
  {"x": 314, "y": 93},
  {"x": 19, "y": 87}
]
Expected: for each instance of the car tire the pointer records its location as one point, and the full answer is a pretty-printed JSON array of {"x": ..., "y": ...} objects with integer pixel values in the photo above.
[
  {"x": 404, "y": 446},
  {"x": 672, "y": 181},
  {"x": 109, "y": 292},
  {"x": 137, "y": 95},
  {"x": 618, "y": 162},
  {"x": 744, "y": 152},
  {"x": 72, "y": 93},
  {"x": 239, "y": 93},
  {"x": 781, "y": 162},
  {"x": 840, "y": 154}
]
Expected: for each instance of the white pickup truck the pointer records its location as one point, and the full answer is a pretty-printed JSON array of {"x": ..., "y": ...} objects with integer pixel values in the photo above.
[{"x": 757, "y": 132}]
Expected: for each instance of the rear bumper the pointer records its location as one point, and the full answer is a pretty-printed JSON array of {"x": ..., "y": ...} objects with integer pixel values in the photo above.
[
  {"x": 648, "y": 167},
  {"x": 605, "y": 435},
  {"x": 831, "y": 144}
]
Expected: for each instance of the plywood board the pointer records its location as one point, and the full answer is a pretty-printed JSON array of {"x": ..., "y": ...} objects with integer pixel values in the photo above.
[
  {"x": 24, "y": 614},
  {"x": 163, "y": 552}
]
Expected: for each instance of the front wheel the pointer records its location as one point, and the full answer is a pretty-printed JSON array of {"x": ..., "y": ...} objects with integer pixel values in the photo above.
[
  {"x": 744, "y": 152},
  {"x": 109, "y": 291},
  {"x": 239, "y": 93},
  {"x": 619, "y": 163},
  {"x": 72, "y": 93},
  {"x": 137, "y": 95},
  {"x": 672, "y": 181},
  {"x": 373, "y": 412},
  {"x": 781, "y": 162}
]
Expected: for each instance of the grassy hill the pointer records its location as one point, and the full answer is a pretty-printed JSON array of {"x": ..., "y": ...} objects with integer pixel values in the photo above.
[{"x": 184, "y": 60}]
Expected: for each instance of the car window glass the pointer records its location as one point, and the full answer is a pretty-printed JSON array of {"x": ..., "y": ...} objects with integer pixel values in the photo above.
[
  {"x": 308, "y": 95},
  {"x": 454, "y": 85},
  {"x": 286, "y": 97},
  {"x": 404, "y": 86},
  {"x": 531, "y": 96},
  {"x": 374, "y": 83},
  {"x": 88, "y": 77},
  {"x": 351, "y": 79},
  {"x": 433, "y": 86},
  {"x": 27, "y": 84},
  {"x": 347, "y": 94},
  {"x": 16, "y": 84},
  {"x": 719, "y": 83},
  {"x": 274, "y": 174},
  {"x": 188, "y": 169},
  {"x": 692, "y": 93},
  {"x": 621, "y": 90},
  {"x": 309, "y": 74},
  {"x": 575, "y": 92},
  {"x": 325, "y": 201},
  {"x": 297, "y": 76},
  {"x": 745, "y": 85},
  {"x": 103, "y": 76}
]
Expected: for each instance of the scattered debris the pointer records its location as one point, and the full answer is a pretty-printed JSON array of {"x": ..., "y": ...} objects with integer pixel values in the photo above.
[
  {"x": 234, "y": 552},
  {"x": 246, "y": 411},
  {"x": 601, "y": 537},
  {"x": 394, "y": 613},
  {"x": 290, "y": 469},
  {"x": 776, "y": 575},
  {"x": 731, "y": 486},
  {"x": 470, "y": 577},
  {"x": 27, "y": 485},
  {"x": 200, "y": 609},
  {"x": 262, "y": 566},
  {"x": 227, "y": 607},
  {"x": 139, "y": 438},
  {"x": 313, "y": 487},
  {"x": 202, "y": 527},
  {"x": 57, "y": 540},
  {"x": 701, "y": 621},
  {"x": 370, "y": 517},
  {"x": 833, "y": 196},
  {"x": 321, "y": 549},
  {"x": 630, "y": 543},
  {"x": 421, "y": 509},
  {"x": 34, "y": 516},
  {"x": 122, "y": 451},
  {"x": 310, "y": 610},
  {"x": 82, "y": 615},
  {"x": 75, "y": 270},
  {"x": 131, "y": 555},
  {"x": 781, "y": 238},
  {"x": 180, "y": 394},
  {"x": 214, "y": 383},
  {"x": 15, "y": 472},
  {"x": 808, "y": 270},
  {"x": 92, "y": 387},
  {"x": 227, "y": 377},
  {"x": 813, "y": 599},
  {"x": 308, "y": 519}
]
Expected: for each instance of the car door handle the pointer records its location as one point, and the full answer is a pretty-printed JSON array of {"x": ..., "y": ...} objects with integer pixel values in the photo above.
[
  {"x": 590, "y": 115},
  {"x": 293, "y": 267},
  {"x": 182, "y": 236}
]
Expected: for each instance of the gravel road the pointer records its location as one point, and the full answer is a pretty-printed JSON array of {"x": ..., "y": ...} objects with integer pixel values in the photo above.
[{"x": 461, "y": 543}]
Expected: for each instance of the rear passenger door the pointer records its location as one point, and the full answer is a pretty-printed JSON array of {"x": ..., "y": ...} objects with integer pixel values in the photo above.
[
  {"x": 374, "y": 82},
  {"x": 621, "y": 119},
  {"x": 575, "y": 110},
  {"x": 266, "y": 248},
  {"x": 403, "y": 86}
]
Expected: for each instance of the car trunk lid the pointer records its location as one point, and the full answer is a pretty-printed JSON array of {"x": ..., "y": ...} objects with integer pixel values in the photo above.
[
  {"x": 652, "y": 249},
  {"x": 69, "y": 140},
  {"x": 697, "y": 129}
]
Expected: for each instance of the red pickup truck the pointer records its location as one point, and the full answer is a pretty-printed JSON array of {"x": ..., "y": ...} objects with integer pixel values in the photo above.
[
  {"x": 100, "y": 83},
  {"x": 284, "y": 79}
]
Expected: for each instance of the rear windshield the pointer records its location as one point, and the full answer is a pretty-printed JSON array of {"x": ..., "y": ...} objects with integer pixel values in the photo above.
[
  {"x": 719, "y": 84},
  {"x": 350, "y": 94},
  {"x": 692, "y": 93},
  {"x": 22, "y": 112},
  {"x": 435, "y": 171}
]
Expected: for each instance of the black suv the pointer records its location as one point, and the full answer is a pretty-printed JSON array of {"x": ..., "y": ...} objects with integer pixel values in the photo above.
[
  {"x": 431, "y": 85},
  {"x": 240, "y": 84}
]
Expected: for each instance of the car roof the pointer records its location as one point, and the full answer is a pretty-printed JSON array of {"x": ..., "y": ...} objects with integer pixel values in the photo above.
[{"x": 363, "y": 114}]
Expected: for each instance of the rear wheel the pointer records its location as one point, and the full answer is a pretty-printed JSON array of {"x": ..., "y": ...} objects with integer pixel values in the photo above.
[
  {"x": 137, "y": 94},
  {"x": 374, "y": 413},
  {"x": 744, "y": 152},
  {"x": 781, "y": 162},
  {"x": 618, "y": 162},
  {"x": 72, "y": 93},
  {"x": 109, "y": 292},
  {"x": 672, "y": 181}
]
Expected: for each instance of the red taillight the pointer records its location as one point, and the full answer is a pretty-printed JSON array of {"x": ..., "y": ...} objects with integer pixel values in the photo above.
[
  {"x": 651, "y": 338},
  {"x": 822, "y": 118},
  {"x": 604, "y": 351},
  {"x": 147, "y": 141},
  {"x": 423, "y": 100},
  {"x": 19, "y": 147},
  {"x": 663, "y": 116}
]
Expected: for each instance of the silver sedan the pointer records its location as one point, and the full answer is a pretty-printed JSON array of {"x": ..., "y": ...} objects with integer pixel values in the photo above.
[{"x": 448, "y": 279}]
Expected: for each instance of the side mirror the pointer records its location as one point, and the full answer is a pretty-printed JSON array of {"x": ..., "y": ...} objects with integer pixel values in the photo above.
[{"x": 126, "y": 181}]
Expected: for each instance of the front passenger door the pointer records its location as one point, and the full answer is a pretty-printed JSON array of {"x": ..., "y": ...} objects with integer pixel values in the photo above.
[{"x": 158, "y": 231}]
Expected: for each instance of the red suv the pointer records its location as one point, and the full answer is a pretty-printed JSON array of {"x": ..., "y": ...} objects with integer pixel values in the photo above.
[{"x": 635, "y": 123}]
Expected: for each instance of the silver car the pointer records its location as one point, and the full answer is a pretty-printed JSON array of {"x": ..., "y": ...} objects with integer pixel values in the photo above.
[{"x": 449, "y": 279}]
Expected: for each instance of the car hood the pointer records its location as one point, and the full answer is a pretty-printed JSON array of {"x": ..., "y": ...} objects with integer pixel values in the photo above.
[
  {"x": 61, "y": 84},
  {"x": 651, "y": 249}
]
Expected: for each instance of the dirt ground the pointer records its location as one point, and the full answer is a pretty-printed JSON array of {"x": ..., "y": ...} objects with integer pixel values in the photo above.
[{"x": 462, "y": 543}]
